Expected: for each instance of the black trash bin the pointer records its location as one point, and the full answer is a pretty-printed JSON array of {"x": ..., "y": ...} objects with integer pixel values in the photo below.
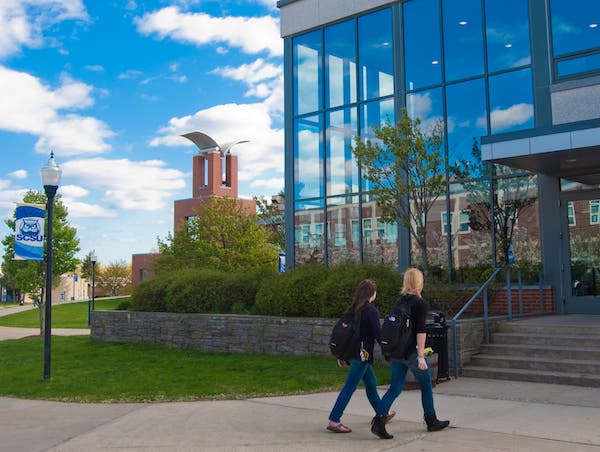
[{"x": 437, "y": 339}]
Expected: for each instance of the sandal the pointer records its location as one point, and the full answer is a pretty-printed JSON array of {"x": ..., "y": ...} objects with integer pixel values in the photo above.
[
  {"x": 338, "y": 427},
  {"x": 390, "y": 416}
]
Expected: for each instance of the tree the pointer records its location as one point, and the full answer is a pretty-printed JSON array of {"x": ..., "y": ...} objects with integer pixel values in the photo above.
[
  {"x": 29, "y": 276},
  {"x": 512, "y": 196},
  {"x": 222, "y": 237},
  {"x": 405, "y": 166},
  {"x": 272, "y": 218},
  {"x": 86, "y": 267},
  {"x": 114, "y": 277}
]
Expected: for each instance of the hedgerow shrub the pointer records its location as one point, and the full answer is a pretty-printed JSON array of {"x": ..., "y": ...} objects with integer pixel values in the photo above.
[
  {"x": 313, "y": 290},
  {"x": 297, "y": 292},
  {"x": 343, "y": 279},
  {"x": 200, "y": 291},
  {"x": 150, "y": 295}
]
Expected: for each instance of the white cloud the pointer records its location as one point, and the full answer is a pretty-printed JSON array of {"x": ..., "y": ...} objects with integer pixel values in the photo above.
[
  {"x": 94, "y": 68},
  {"x": 250, "y": 34},
  {"x": 77, "y": 209},
  {"x": 275, "y": 184},
  {"x": 261, "y": 77},
  {"x": 503, "y": 119},
  {"x": 262, "y": 157},
  {"x": 29, "y": 106},
  {"x": 23, "y": 21},
  {"x": 126, "y": 184},
  {"x": 129, "y": 74},
  {"x": 18, "y": 174},
  {"x": 73, "y": 191}
]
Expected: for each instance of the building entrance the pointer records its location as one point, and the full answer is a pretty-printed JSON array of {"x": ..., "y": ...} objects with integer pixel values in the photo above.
[{"x": 580, "y": 251}]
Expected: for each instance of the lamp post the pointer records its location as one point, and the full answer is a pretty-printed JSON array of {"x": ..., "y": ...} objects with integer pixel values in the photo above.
[
  {"x": 50, "y": 179},
  {"x": 91, "y": 299},
  {"x": 93, "y": 259}
]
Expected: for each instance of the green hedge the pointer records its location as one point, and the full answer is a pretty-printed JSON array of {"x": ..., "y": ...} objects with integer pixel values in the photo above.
[
  {"x": 310, "y": 290},
  {"x": 199, "y": 290},
  {"x": 313, "y": 290}
]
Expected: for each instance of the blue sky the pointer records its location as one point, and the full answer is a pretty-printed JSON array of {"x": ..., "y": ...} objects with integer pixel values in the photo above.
[{"x": 110, "y": 85}]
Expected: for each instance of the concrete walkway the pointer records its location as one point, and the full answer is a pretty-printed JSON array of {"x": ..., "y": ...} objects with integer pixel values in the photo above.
[{"x": 485, "y": 415}]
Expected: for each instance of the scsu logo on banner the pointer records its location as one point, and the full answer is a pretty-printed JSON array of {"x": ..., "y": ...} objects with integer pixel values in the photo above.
[{"x": 29, "y": 230}]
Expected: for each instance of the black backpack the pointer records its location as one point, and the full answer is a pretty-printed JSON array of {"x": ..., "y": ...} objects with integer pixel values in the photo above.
[
  {"x": 345, "y": 336},
  {"x": 397, "y": 331}
]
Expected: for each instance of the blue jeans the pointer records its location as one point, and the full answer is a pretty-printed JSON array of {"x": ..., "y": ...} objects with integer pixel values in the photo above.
[
  {"x": 423, "y": 377},
  {"x": 358, "y": 371}
]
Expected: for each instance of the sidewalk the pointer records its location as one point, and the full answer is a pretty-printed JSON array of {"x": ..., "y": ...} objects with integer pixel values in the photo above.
[{"x": 485, "y": 415}]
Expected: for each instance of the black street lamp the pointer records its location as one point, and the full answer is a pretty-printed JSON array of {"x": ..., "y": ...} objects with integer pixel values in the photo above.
[
  {"x": 50, "y": 179},
  {"x": 93, "y": 259}
]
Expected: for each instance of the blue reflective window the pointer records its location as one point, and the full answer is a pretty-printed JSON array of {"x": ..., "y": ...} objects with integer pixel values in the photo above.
[
  {"x": 466, "y": 123},
  {"x": 463, "y": 39},
  {"x": 511, "y": 101},
  {"x": 575, "y": 25},
  {"x": 375, "y": 114},
  {"x": 309, "y": 231},
  {"x": 307, "y": 73},
  {"x": 578, "y": 65},
  {"x": 342, "y": 172},
  {"x": 507, "y": 31},
  {"x": 375, "y": 55},
  {"x": 308, "y": 158},
  {"x": 422, "y": 44},
  {"x": 425, "y": 105},
  {"x": 340, "y": 63}
]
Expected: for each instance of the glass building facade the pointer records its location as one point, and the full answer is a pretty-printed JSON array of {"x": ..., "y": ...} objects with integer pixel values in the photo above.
[{"x": 502, "y": 76}]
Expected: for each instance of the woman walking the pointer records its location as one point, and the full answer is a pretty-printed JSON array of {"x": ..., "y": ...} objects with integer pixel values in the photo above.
[
  {"x": 414, "y": 360},
  {"x": 361, "y": 365}
]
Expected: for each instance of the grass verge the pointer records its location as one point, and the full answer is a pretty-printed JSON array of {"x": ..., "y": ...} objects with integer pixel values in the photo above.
[
  {"x": 86, "y": 371},
  {"x": 67, "y": 315}
]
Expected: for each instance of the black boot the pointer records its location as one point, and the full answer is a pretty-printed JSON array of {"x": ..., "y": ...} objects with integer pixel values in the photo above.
[
  {"x": 378, "y": 427},
  {"x": 434, "y": 424}
]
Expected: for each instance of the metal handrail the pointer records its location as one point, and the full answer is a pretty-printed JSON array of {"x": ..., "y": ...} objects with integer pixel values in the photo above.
[{"x": 483, "y": 289}]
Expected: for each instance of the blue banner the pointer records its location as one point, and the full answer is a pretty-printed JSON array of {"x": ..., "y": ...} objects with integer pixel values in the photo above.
[{"x": 29, "y": 232}]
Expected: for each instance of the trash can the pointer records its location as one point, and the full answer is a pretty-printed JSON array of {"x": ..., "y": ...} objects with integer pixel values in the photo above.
[{"x": 437, "y": 338}]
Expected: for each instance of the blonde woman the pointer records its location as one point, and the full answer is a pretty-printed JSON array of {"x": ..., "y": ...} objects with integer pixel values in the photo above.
[{"x": 415, "y": 360}]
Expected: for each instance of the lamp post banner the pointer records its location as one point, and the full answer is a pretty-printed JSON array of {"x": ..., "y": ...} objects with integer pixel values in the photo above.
[{"x": 29, "y": 232}]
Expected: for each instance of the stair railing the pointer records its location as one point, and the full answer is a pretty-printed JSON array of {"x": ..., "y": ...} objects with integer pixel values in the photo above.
[{"x": 455, "y": 319}]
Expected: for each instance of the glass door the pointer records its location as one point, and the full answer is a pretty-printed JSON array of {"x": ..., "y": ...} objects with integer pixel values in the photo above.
[{"x": 581, "y": 251}]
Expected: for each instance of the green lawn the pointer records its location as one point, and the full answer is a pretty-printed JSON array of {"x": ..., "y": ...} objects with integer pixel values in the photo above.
[
  {"x": 68, "y": 315},
  {"x": 86, "y": 371}
]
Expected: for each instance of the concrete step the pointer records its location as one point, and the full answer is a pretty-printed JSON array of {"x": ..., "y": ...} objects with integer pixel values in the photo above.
[
  {"x": 524, "y": 328},
  {"x": 539, "y": 351},
  {"x": 547, "y": 339},
  {"x": 540, "y": 376},
  {"x": 536, "y": 363}
]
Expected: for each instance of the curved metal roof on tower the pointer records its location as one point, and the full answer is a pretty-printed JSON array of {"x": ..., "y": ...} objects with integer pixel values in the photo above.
[{"x": 207, "y": 144}]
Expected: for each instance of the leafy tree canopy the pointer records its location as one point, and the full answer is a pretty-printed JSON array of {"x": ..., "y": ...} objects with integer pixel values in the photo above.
[
  {"x": 222, "y": 236},
  {"x": 405, "y": 168}
]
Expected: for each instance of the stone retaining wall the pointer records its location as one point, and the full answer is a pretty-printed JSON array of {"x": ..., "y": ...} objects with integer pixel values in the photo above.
[
  {"x": 215, "y": 332},
  {"x": 246, "y": 333}
]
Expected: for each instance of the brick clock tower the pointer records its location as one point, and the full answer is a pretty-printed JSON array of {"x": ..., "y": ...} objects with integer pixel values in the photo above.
[{"x": 214, "y": 173}]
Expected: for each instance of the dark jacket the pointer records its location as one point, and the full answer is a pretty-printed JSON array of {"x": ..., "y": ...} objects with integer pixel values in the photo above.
[
  {"x": 370, "y": 330},
  {"x": 418, "y": 314}
]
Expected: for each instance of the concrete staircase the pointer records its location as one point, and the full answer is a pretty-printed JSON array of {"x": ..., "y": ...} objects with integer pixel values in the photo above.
[{"x": 553, "y": 349}]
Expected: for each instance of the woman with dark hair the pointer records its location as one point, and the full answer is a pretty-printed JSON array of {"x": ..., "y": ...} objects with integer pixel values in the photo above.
[
  {"x": 414, "y": 360},
  {"x": 361, "y": 365}
]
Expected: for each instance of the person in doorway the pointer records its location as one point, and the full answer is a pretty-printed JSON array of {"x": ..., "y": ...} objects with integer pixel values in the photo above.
[
  {"x": 361, "y": 366},
  {"x": 415, "y": 360}
]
